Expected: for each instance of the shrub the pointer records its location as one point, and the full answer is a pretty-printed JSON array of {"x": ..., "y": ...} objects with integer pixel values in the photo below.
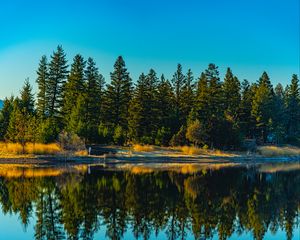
[
  {"x": 196, "y": 133},
  {"x": 179, "y": 138},
  {"x": 163, "y": 137},
  {"x": 71, "y": 141},
  {"x": 119, "y": 135}
]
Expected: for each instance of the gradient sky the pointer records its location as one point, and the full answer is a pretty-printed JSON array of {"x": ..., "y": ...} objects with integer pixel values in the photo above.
[{"x": 250, "y": 36}]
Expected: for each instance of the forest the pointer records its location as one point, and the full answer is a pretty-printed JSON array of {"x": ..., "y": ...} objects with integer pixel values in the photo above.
[{"x": 204, "y": 110}]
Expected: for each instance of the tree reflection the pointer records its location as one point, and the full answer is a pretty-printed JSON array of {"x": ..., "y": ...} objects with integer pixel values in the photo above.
[{"x": 222, "y": 202}]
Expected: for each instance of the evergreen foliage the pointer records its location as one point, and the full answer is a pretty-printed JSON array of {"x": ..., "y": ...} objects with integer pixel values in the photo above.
[{"x": 205, "y": 112}]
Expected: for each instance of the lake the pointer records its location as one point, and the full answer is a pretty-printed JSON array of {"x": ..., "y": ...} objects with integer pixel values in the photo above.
[{"x": 102, "y": 203}]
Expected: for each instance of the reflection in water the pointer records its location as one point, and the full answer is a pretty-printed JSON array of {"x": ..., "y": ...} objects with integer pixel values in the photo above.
[{"x": 210, "y": 203}]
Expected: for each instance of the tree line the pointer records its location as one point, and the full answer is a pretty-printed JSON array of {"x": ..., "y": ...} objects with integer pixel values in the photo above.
[{"x": 204, "y": 110}]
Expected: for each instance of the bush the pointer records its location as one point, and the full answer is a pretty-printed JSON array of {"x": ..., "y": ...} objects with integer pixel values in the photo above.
[
  {"x": 163, "y": 137},
  {"x": 48, "y": 131},
  {"x": 71, "y": 142},
  {"x": 105, "y": 133},
  {"x": 119, "y": 135},
  {"x": 196, "y": 133},
  {"x": 179, "y": 138}
]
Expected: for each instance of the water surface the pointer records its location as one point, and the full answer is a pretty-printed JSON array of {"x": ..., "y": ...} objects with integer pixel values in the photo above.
[{"x": 98, "y": 203}]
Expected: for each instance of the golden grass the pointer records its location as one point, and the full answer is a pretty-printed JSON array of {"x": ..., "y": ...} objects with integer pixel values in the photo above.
[
  {"x": 81, "y": 153},
  {"x": 142, "y": 148},
  {"x": 192, "y": 150},
  {"x": 30, "y": 148},
  {"x": 275, "y": 151}
]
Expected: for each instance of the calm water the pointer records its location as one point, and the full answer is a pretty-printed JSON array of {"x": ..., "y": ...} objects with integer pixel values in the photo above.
[{"x": 230, "y": 203}]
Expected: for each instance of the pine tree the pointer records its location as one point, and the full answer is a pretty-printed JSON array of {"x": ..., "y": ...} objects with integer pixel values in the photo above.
[
  {"x": 280, "y": 119},
  {"x": 293, "y": 108},
  {"x": 202, "y": 95},
  {"x": 27, "y": 99},
  {"x": 118, "y": 95},
  {"x": 215, "y": 105},
  {"x": 231, "y": 88},
  {"x": 57, "y": 77},
  {"x": 42, "y": 81},
  {"x": 188, "y": 96},
  {"x": 178, "y": 82},
  {"x": 74, "y": 87},
  {"x": 246, "y": 121},
  {"x": 18, "y": 125},
  {"x": 93, "y": 98},
  {"x": 5, "y": 115},
  {"x": 263, "y": 107},
  {"x": 165, "y": 102}
]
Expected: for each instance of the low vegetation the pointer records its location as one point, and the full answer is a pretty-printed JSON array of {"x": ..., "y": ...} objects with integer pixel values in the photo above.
[
  {"x": 276, "y": 151},
  {"x": 142, "y": 148},
  {"x": 36, "y": 149}
]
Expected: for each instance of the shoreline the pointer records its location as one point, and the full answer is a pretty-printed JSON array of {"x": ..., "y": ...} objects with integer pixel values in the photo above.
[{"x": 144, "y": 158}]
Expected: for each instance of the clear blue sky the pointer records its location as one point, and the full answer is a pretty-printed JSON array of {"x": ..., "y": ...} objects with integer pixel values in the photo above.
[{"x": 250, "y": 36}]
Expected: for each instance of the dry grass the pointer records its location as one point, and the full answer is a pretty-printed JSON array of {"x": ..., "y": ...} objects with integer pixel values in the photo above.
[
  {"x": 30, "y": 148},
  {"x": 192, "y": 150},
  {"x": 142, "y": 148},
  {"x": 81, "y": 153},
  {"x": 275, "y": 151}
]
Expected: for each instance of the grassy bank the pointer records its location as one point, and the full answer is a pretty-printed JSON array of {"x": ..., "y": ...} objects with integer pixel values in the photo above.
[
  {"x": 7, "y": 149},
  {"x": 278, "y": 151}
]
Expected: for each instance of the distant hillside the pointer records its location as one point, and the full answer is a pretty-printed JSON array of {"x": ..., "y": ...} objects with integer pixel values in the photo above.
[{"x": 1, "y": 104}]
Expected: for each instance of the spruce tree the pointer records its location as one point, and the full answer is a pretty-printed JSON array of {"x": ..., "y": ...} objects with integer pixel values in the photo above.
[
  {"x": 178, "y": 82},
  {"x": 118, "y": 95},
  {"x": 42, "y": 81},
  {"x": 5, "y": 115},
  {"x": 27, "y": 99},
  {"x": 94, "y": 87},
  {"x": 246, "y": 121},
  {"x": 263, "y": 107},
  {"x": 280, "y": 119},
  {"x": 188, "y": 96},
  {"x": 165, "y": 101},
  {"x": 232, "y": 96},
  {"x": 58, "y": 71},
  {"x": 293, "y": 108},
  {"x": 74, "y": 87},
  {"x": 215, "y": 105},
  {"x": 202, "y": 95}
]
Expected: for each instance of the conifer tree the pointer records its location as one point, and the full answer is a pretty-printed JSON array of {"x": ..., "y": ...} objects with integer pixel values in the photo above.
[
  {"x": 165, "y": 102},
  {"x": 293, "y": 107},
  {"x": 231, "y": 88},
  {"x": 74, "y": 87},
  {"x": 57, "y": 77},
  {"x": 42, "y": 81},
  {"x": 188, "y": 96},
  {"x": 263, "y": 106},
  {"x": 202, "y": 95},
  {"x": 118, "y": 95},
  {"x": 5, "y": 115},
  {"x": 27, "y": 99},
  {"x": 279, "y": 121},
  {"x": 178, "y": 82},
  {"x": 94, "y": 87},
  {"x": 246, "y": 121}
]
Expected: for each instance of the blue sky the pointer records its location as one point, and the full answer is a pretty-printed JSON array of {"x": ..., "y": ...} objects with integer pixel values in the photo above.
[{"x": 249, "y": 36}]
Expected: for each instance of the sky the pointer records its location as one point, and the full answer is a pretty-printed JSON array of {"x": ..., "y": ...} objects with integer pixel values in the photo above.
[{"x": 250, "y": 36}]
